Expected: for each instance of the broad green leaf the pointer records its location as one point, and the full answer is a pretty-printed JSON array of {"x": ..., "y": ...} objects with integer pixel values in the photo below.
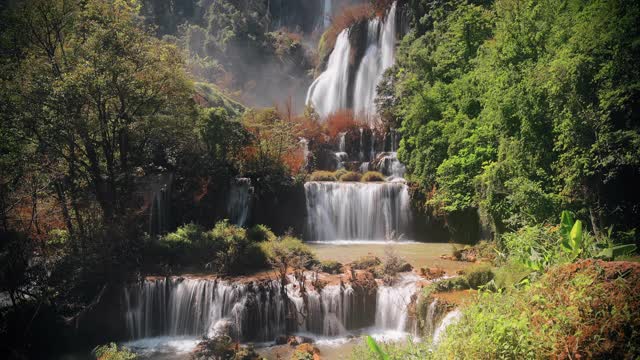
[
  {"x": 606, "y": 254},
  {"x": 575, "y": 237},
  {"x": 566, "y": 223},
  {"x": 620, "y": 250},
  {"x": 375, "y": 348}
]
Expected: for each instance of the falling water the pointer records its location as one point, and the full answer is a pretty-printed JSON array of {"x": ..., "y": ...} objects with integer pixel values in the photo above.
[
  {"x": 304, "y": 145},
  {"x": 372, "y": 151},
  {"x": 326, "y": 15},
  {"x": 389, "y": 165},
  {"x": 361, "y": 147},
  {"x": 160, "y": 211},
  {"x": 451, "y": 318},
  {"x": 261, "y": 311},
  {"x": 341, "y": 156},
  {"x": 328, "y": 93},
  {"x": 393, "y": 302},
  {"x": 179, "y": 306},
  {"x": 239, "y": 201},
  {"x": 356, "y": 211},
  {"x": 378, "y": 57},
  {"x": 247, "y": 312}
]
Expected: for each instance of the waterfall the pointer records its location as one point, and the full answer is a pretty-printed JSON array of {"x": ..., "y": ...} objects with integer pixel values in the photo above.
[
  {"x": 160, "y": 211},
  {"x": 261, "y": 311},
  {"x": 451, "y": 318},
  {"x": 253, "y": 311},
  {"x": 239, "y": 201},
  {"x": 177, "y": 307},
  {"x": 341, "y": 155},
  {"x": 378, "y": 57},
  {"x": 361, "y": 147},
  {"x": 372, "y": 149},
  {"x": 393, "y": 302},
  {"x": 356, "y": 211},
  {"x": 389, "y": 165},
  {"x": 304, "y": 145},
  {"x": 328, "y": 93},
  {"x": 326, "y": 14}
]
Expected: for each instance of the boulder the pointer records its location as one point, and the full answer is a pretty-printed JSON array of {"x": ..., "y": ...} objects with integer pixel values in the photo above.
[
  {"x": 307, "y": 349},
  {"x": 432, "y": 273}
]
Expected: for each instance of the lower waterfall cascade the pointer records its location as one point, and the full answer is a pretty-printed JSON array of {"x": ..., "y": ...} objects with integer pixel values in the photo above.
[{"x": 262, "y": 311}]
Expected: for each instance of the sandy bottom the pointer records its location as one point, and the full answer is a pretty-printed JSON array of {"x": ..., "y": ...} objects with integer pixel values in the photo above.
[{"x": 417, "y": 254}]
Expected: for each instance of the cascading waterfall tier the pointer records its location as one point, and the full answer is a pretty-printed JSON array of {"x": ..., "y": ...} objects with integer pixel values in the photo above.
[
  {"x": 356, "y": 211},
  {"x": 378, "y": 57},
  {"x": 329, "y": 92},
  {"x": 263, "y": 310},
  {"x": 257, "y": 311}
]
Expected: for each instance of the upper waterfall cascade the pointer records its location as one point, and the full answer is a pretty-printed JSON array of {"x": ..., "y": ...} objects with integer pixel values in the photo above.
[{"x": 329, "y": 92}]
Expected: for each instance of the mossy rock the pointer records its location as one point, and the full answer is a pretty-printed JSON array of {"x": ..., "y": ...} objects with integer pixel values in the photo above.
[
  {"x": 331, "y": 267},
  {"x": 322, "y": 176},
  {"x": 479, "y": 276},
  {"x": 373, "y": 176},
  {"x": 350, "y": 176},
  {"x": 367, "y": 262}
]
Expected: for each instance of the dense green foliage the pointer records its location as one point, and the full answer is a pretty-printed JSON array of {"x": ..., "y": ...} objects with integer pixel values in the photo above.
[
  {"x": 226, "y": 249},
  {"x": 112, "y": 352},
  {"x": 520, "y": 109},
  {"x": 289, "y": 252},
  {"x": 538, "y": 247}
]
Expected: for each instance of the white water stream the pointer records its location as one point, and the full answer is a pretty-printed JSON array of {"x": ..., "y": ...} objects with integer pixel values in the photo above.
[{"x": 329, "y": 92}]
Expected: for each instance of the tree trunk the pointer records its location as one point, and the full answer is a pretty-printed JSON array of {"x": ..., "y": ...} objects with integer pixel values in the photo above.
[{"x": 65, "y": 210}]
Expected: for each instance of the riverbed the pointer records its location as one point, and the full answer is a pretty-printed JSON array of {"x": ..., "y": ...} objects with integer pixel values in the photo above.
[{"x": 419, "y": 255}]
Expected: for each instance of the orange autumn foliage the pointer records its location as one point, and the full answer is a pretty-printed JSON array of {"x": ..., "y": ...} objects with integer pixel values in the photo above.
[
  {"x": 341, "y": 121},
  {"x": 344, "y": 19}
]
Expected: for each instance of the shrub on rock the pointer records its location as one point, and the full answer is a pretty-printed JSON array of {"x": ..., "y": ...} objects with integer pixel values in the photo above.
[
  {"x": 260, "y": 233},
  {"x": 372, "y": 176},
  {"x": 322, "y": 176},
  {"x": 331, "y": 267},
  {"x": 350, "y": 176}
]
